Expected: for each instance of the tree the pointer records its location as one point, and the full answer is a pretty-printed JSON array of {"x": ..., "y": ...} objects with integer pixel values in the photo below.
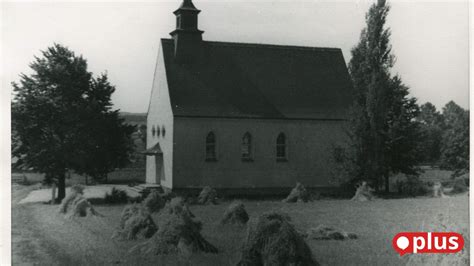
[
  {"x": 62, "y": 119},
  {"x": 455, "y": 145},
  {"x": 429, "y": 115},
  {"x": 383, "y": 134},
  {"x": 431, "y": 123},
  {"x": 402, "y": 135},
  {"x": 143, "y": 133}
]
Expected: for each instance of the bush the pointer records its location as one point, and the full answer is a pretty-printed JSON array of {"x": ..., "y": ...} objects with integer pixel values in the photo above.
[
  {"x": 347, "y": 189},
  {"x": 412, "y": 187},
  {"x": 116, "y": 196},
  {"x": 459, "y": 185}
]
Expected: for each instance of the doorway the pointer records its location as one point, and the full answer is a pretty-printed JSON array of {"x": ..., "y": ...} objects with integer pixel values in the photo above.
[{"x": 160, "y": 174}]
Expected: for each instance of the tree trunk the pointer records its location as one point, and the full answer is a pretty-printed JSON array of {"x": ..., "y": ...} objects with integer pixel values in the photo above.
[
  {"x": 61, "y": 187},
  {"x": 387, "y": 183},
  {"x": 53, "y": 193}
]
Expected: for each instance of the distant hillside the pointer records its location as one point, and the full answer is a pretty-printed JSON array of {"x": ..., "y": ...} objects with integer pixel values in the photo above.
[{"x": 134, "y": 118}]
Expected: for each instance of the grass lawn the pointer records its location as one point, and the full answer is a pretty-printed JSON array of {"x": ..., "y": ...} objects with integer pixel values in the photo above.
[{"x": 42, "y": 236}]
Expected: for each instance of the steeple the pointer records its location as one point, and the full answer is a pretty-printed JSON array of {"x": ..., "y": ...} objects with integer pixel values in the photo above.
[
  {"x": 187, "y": 4},
  {"x": 187, "y": 37}
]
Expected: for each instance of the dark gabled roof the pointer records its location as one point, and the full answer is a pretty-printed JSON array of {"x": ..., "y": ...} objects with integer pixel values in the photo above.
[{"x": 259, "y": 81}]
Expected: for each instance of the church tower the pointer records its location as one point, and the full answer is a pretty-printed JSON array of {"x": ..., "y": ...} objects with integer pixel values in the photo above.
[{"x": 187, "y": 37}]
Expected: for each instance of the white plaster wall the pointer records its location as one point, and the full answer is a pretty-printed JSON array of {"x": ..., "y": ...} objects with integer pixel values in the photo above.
[{"x": 160, "y": 114}]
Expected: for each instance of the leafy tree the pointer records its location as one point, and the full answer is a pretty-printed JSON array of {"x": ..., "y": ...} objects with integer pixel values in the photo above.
[
  {"x": 62, "y": 119},
  {"x": 429, "y": 115},
  {"x": 455, "y": 145},
  {"x": 383, "y": 134},
  {"x": 402, "y": 133},
  {"x": 143, "y": 133},
  {"x": 431, "y": 123}
]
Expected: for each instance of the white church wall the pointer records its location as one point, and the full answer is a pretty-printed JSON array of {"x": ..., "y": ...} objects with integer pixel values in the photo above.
[{"x": 160, "y": 115}]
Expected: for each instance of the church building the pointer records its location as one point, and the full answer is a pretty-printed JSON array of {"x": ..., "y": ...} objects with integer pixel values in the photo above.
[{"x": 242, "y": 116}]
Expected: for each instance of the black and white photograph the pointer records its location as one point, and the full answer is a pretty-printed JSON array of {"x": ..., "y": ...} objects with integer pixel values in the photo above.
[{"x": 235, "y": 132}]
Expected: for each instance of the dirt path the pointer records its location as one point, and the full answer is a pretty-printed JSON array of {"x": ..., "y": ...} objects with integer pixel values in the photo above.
[
  {"x": 41, "y": 236},
  {"x": 28, "y": 244}
]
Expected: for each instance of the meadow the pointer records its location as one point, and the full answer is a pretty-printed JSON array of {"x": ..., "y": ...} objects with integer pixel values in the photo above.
[{"x": 42, "y": 236}]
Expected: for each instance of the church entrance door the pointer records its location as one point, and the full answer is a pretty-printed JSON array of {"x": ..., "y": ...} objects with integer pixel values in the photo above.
[{"x": 160, "y": 175}]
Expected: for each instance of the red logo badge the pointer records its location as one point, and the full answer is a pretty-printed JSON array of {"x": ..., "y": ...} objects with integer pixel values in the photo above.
[{"x": 427, "y": 242}]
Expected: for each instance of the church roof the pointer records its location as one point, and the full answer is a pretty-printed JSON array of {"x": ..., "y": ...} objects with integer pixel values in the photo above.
[{"x": 237, "y": 80}]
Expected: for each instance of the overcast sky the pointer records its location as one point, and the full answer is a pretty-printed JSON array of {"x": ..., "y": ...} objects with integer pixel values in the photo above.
[{"x": 430, "y": 39}]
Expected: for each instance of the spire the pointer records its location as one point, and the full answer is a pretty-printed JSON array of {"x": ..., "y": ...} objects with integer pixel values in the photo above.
[
  {"x": 187, "y": 4},
  {"x": 187, "y": 37}
]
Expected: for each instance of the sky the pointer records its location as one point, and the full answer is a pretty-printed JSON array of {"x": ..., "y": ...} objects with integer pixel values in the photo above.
[{"x": 429, "y": 39}]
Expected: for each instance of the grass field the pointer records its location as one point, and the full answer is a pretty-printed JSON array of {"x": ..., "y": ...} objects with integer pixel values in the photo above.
[{"x": 41, "y": 236}]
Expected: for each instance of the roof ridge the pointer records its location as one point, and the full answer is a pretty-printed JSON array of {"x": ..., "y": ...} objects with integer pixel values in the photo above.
[{"x": 264, "y": 45}]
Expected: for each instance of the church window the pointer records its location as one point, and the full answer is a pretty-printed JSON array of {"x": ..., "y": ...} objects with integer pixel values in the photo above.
[
  {"x": 153, "y": 131},
  {"x": 281, "y": 148},
  {"x": 157, "y": 131},
  {"x": 247, "y": 147},
  {"x": 339, "y": 154},
  {"x": 211, "y": 147},
  {"x": 163, "y": 131},
  {"x": 178, "y": 22}
]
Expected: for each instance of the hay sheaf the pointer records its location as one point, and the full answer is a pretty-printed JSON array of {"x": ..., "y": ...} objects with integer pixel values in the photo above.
[
  {"x": 179, "y": 206},
  {"x": 329, "y": 233},
  {"x": 208, "y": 195},
  {"x": 179, "y": 232},
  {"x": 363, "y": 193},
  {"x": 298, "y": 194},
  {"x": 135, "y": 223},
  {"x": 235, "y": 214},
  {"x": 154, "y": 202},
  {"x": 75, "y": 191},
  {"x": 76, "y": 205},
  {"x": 274, "y": 241},
  {"x": 438, "y": 191}
]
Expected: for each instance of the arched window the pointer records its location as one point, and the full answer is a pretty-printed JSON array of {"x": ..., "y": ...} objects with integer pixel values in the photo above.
[
  {"x": 281, "y": 147},
  {"x": 157, "y": 131},
  {"x": 211, "y": 147},
  {"x": 153, "y": 131},
  {"x": 247, "y": 147}
]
